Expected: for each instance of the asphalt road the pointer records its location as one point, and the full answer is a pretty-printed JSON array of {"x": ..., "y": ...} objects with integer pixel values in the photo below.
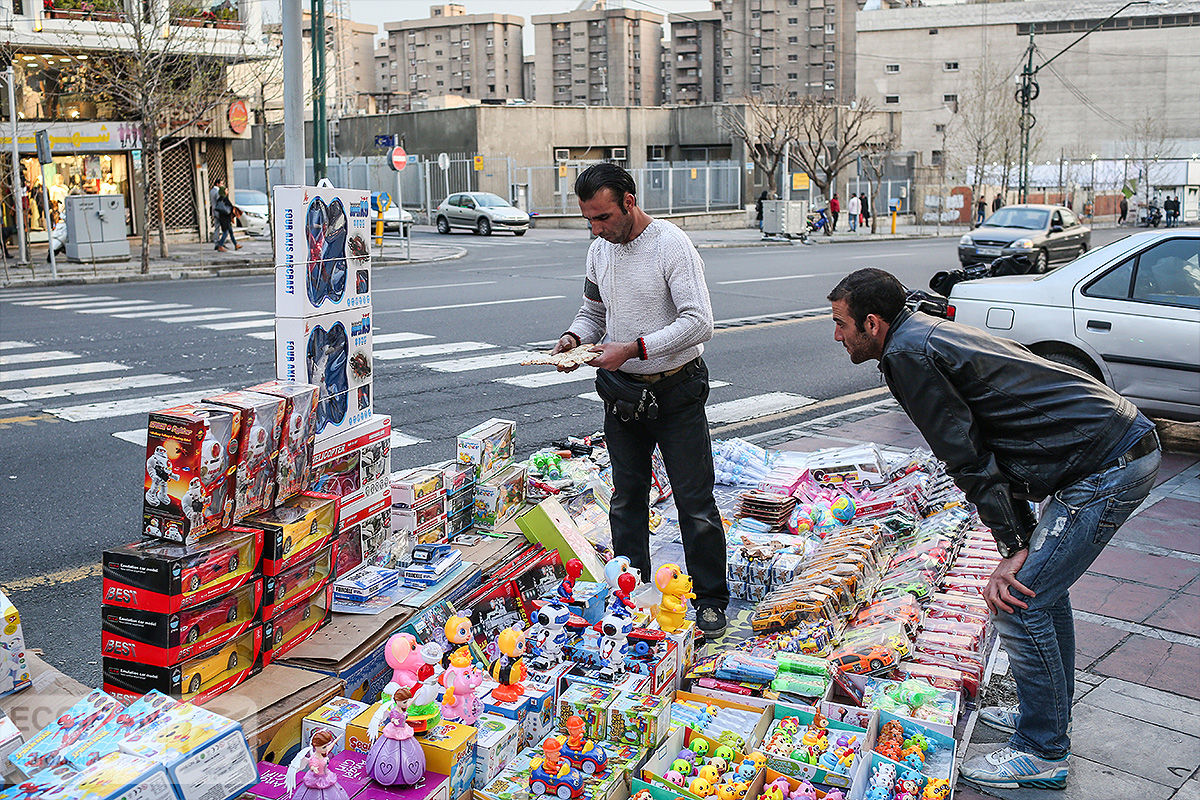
[{"x": 81, "y": 366}]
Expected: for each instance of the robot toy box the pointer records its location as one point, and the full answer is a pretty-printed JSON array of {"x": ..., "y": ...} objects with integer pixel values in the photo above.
[
  {"x": 150, "y": 637},
  {"x": 292, "y": 587},
  {"x": 323, "y": 257},
  {"x": 332, "y": 351},
  {"x": 164, "y": 578},
  {"x": 489, "y": 446},
  {"x": 140, "y": 713},
  {"x": 48, "y": 747},
  {"x": 14, "y": 671},
  {"x": 191, "y": 459},
  {"x": 287, "y": 630},
  {"x": 262, "y": 417},
  {"x": 294, "y": 531},
  {"x": 356, "y": 461},
  {"x": 293, "y": 466},
  {"x": 196, "y": 680}
]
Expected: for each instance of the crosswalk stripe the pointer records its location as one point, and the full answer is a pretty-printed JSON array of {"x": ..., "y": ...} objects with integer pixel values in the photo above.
[
  {"x": 265, "y": 335},
  {"x": 402, "y": 336},
  {"x": 12, "y": 297},
  {"x": 207, "y": 317},
  {"x": 45, "y": 355},
  {"x": 759, "y": 405},
  {"x": 404, "y": 440},
  {"x": 431, "y": 350},
  {"x": 126, "y": 407},
  {"x": 479, "y": 362},
  {"x": 133, "y": 304},
  {"x": 91, "y": 387},
  {"x": 241, "y": 324},
  {"x": 554, "y": 378},
  {"x": 135, "y": 436},
  {"x": 38, "y": 373},
  {"x": 473, "y": 305},
  {"x": 58, "y": 304},
  {"x": 15, "y": 345},
  {"x": 10, "y": 406},
  {"x": 56, "y": 298},
  {"x": 181, "y": 308}
]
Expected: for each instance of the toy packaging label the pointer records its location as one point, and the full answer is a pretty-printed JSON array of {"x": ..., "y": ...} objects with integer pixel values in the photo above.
[
  {"x": 356, "y": 461},
  {"x": 413, "y": 488},
  {"x": 198, "y": 679},
  {"x": 295, "y": 530},
  {"x": 191, "y": 460},
  {"x": 294, "y": 463},
  {"x": 365, "y": 584},
  {"x": 14, "y": 671},
  {"x": 589, "y": 703},
  {"x": 48, "y": 747},
  {"x": 161, "y": 577},
  {"x": 499, "y": 497},
  {"x": 105, "y": 740},
  {"x": 334, "y": 716},
  {"x": 332, "y": 351},
  {"x": 488, "y": 446},
  {"x": 261, "y": 424},
  {"x": 639, "y": 719},
  {"x": 120, "y": 776},
  {"x": 322, "y": 250},
  {"x": 298, "y": 583},
  {"x": 450, "y": 750}
]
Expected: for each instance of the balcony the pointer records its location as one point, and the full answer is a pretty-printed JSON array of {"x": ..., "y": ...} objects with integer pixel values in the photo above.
[
  {"x": 684, "y": 62},
  {"x": 188, "y": 13},
  {"x": 96, "y": 10}
]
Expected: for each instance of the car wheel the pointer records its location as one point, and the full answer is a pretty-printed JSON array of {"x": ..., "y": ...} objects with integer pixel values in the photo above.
[
  {"x": 194, "y": 583},
  {"x": 442, "y": 225},
  {"x": 875, "y": 664},
  {"x": 233, "y": 660},
  {"x": 484, "y": 227},
  {"x": 406, "y": 231},
  {"x": 518, "y": 233},
  {"x": 537, "y": 787},
  {"x": 232, "y": 615},
  {"x": 233, "y": 563},
  {"x": 563, "y": 792},
  {"x": 193, "y": 634},
  {"x": 194, "y": 686},
  {"x": 1082, "y": 251},
  {"x": 1042, "y": 263},
  {"x": 1075, "y": 361}
]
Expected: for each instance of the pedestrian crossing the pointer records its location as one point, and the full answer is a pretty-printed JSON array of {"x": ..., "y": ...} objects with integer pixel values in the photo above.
[{"x": 216, "y": 318}]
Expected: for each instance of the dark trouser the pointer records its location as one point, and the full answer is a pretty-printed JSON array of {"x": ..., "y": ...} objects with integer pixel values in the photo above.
[
  {"x": 833, "y": 227},
  {"x": 226, "y": 231},
  {"x": 681, "y": 432}
]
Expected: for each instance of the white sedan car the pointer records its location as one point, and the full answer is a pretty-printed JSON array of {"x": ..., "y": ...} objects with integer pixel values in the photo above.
[
  {"x": 1127, "y": 313},
  {"x": 255, "y": 208}
]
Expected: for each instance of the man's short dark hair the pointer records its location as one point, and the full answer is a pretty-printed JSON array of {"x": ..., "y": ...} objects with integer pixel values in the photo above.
[
  {"x": 870, "y": 291},
  {"x": 605, "y": 176}
]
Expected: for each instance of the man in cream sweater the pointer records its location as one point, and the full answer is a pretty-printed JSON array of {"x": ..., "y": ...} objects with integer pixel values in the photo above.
[{"x": 646, "y": 310}]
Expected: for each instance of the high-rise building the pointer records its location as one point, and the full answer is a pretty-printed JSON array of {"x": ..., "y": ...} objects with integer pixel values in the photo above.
[
  {"x": 603, "y": 56},
  {"x": 696, "y": 63}
]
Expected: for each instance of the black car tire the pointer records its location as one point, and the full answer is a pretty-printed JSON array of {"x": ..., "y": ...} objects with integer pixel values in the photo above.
[
  {"x": 483, "y": 227},
  {"x": 518, "y": 233},
  {"x": 875, "y": 664},
  {"x": 233, "y": 563},
  {"x": 442, "y": 225},
  {"x": 193, "y": 634},
  {"x": 233, "y": 660},
  {"x": 1072, "y": 360},
  {"x": 1042, "y": 263},
  {"x": 194, "y": 686}
]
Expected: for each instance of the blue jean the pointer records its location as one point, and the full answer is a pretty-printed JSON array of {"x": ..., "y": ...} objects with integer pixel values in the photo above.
[
  {"x": 226, "y": 226},
  {"x": 1075, "y": 526}
]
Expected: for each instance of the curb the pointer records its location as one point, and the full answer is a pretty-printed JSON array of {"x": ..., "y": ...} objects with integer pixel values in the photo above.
[{"x": 821, "y": 239}]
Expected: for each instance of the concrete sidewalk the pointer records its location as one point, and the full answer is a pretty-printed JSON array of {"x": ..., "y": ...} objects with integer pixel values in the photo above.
[
  {"x": 194, "y": 260},
  {"x": 1137, "y": 621},
  {"x": 752, "y": 237}
]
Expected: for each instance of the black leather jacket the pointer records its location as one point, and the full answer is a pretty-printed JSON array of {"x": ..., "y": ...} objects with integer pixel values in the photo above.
[{"x": 1003, "y": 420}]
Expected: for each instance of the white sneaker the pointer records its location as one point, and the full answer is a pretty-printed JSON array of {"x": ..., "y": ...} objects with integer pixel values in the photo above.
[{"x": 1012, "y": 769}]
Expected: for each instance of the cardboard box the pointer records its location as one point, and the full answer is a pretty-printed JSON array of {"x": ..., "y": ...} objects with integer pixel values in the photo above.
[
  {"x": 261, "y": 424},
  {"x": 198, "y": 679},
  {"x": 10, "y": 740},
  {"x": 549, "y": 524},
  {"x": 14, "y": 669},
  {"x": 298, "y": 583},
  {"x": 434, "y": 786},
  {"x": 685, "y": 650},
  {"x": 450, "y": 750},
  {"x": 119, "y": 776},
  {"x": 415, "y": 488},
  {"x": 354, "y": 461},
  {"x": 287, "y": 630},
  {"x": 334, "y": 716},
  {"x": 49, "y": 696},
  {"x": 800, "y": 769},
  {"x": 272, "y": 778},
  {"x": 499, "y": 497},
  {"x": 488, "y": 446},
  {"x": 295, "y": 530},
  {"x": 640, "y": 719},
  {"x": 589, "y": 703},
  {"x": 332, "y": 351},
  {"x": 513, "y": 782},
  {"x": 322, "y": 250},
  {"x": 104, "y": 740},
  {"x": 496, "y": 745},
  {"x": 351, "y": 648},
  {"x": 293, "y": 464},
  {"x": 364, "y": 532},
  {"x": 49, "y": 747},
  {"x": 764, "y": 715}
]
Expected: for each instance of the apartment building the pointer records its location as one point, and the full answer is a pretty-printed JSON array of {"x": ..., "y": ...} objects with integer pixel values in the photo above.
[
  {"x": 695, "y": 68},
  {"x": 600, "y": 57}
]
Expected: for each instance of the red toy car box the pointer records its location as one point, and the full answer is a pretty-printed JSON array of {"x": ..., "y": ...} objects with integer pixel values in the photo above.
[
  {"x": 298, "y": 583},
  {"x": 191, "y": 453},
  {"x": 364, "y": 531},
  {"x": 196, "y": 680},
  {"x": 162, "y": 577},
  {"x": 296, "y": 530},
  {"x": 293, "y": 626},
  {"x": 148, "y": 637},
  {"x": 293, "y": 466},
  {"x": 261, "y": 418}
]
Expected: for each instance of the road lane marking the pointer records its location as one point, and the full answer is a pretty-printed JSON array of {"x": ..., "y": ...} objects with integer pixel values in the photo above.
[
  {"x": 15, "y": 345},
  {"x": 37, "y": 373},
  {"x": 135, "y": 436},
  {"x": 53, "y": 579},
  {"x": 82, "y": 298},
  {"x": 45, "y": 355},
  {"x": 91, "y": 387},
  {"x": 434, "y": 286},
  {"x": 10, "y": 297},
  {"x": 779, "y": 278},
  {"x": 855, "y": 397},
  {"x": 431, "y": 350},
  {"x": 126, "y": 407},
  {"x": 268, "y": 336},
  {"x": 207, "y": 317},
  {"x": 404, "y": 440},
  {"x": 10, "y": 406},
  {"x": 595, "y": 398},
  {"x": 75, "y": 305},
  {"x": 182, "y": 309},
  {"x": 241, "y": 325},
  {"x": 401, "y": 336},
  {"x": 736, "y": 321},
  {"x": 756, "y": 406},
  {"x": 479, "y": 362},
  {"x": 117, "y": 307},
  {"x": 473, "y": 305}
]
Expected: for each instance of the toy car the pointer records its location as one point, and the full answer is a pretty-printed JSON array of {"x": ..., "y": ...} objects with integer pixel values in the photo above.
[
  {"x": 289, "y": 620},
  {"x": 214, "y": 565},
  {"x": 566, "y": 785},
  {"x": 285, "y": 583},
  {"x": 590, "y": 759},
  {"x": 202, "y": 671},
  {"x": 199, "y": 622},
  {"x": 862, "y": 660}
]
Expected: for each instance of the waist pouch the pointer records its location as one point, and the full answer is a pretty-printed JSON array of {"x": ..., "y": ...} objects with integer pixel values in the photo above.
[{"x": 630, "y": 400}]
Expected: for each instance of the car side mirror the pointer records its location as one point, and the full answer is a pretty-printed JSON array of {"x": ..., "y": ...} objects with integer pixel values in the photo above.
[{"x": 1056, "y": 228}]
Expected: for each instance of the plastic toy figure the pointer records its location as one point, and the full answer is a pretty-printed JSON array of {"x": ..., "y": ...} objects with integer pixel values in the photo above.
[
  {"x": 508, "y": 668},
  {"x": 549, "y": 634},
  {"x": 614, "y": 633},
  {"x": 159, "y": 469},
  {"x": 458, "y": 636},
  {"x": 701, "y": 787},
  {"x": 936, "y": 789},
  {"x": 553, "y": 775},
  {"x": 404, "y": 658},
  {"x": 566, "y": 589},
  {"x": 676, "y": 588},
  {"x": 460, "y": 703},
  {"x": 758, "y": 759},
  {"x": 318, "y": 782},
  {"x": 192, "y": 503},
  {"x": 396, "y": 757},
  {"x": 674, "y": 776},
  {"x": 585, "y": 755},
  {"x": 747, "y": 769}
]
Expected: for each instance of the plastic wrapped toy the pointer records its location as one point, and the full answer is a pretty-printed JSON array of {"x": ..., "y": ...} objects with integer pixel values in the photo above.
[
  {"x": 396, "y": 757},
  {"x": 317, "y": 782}
]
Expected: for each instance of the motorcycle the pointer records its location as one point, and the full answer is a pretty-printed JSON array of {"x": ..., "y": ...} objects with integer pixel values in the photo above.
[
  {"x": 818, "y": 221},
  {"x": 1152, "y": 218},
  {"x": 943, "y": 281}
]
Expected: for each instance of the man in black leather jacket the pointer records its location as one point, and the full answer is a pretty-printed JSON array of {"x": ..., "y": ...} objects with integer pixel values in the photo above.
[{"x": 1012, "y": 428}]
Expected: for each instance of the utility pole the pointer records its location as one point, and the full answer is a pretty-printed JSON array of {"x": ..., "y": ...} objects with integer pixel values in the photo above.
[
  {"x": 293, "y": 95},
  {"x": 320, "y": 123},
  {"x": 18, "y": 205}
]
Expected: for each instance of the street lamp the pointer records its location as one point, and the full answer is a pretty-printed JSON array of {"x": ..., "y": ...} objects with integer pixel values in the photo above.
[
  {"x": 1092, "y": 215},
  {"x": 1027, "y": 90}
]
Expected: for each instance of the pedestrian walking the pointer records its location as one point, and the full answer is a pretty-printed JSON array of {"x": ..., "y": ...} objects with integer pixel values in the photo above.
[
  {"x": 213, "y": 193},
  {"x": 758, "y": 208},
  {"x": 1013, "y": 428},
  {"x": 1171, "y": 210},
  {"x": 646, "y": 311},
  {"x": 865, "y": 209},
  {"x": 853, "y": 210},
  {"x": 225, "y": 212},
  {"x": 997, "y": 203},
  {"x": 834, "y": 207},
  {"x": 1124, "y": 210},
  {"x": 980, "y": 212}
]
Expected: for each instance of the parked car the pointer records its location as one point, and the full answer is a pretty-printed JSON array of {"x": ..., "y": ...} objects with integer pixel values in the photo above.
[
  {"x": 256, "y": 210},
  {"x": 1043, "y": 234},
  {"x": 1127, "y": 313},
  {"x": 393, "y": 216},
  {"x": 481, "y": 212}
]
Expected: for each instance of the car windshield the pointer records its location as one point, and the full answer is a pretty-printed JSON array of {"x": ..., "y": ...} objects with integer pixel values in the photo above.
[
  {"x": 249, "y": 197},
  {"x": 488, "y": 200},
  {"x": 1029, "y": 218}
]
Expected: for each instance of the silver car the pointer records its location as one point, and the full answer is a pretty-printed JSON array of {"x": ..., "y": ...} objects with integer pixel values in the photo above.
[
  {"x": 1127, "y": 313},
  {"x": 482, "y": 212}
]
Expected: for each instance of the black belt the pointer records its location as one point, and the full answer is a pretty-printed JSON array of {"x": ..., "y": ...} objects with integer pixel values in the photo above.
[{"x": 1142, "y": 447}]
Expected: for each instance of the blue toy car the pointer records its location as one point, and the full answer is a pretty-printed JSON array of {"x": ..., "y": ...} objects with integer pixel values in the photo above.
[
  {"x": 566, "y": 785},
  {"x": 591, "y": 759}
]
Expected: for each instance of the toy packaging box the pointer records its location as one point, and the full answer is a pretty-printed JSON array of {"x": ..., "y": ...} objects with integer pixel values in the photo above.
[
  {"x": 357, "y": 460},
  {"x": 639, "y": 719},
  {"x": 200, "y": 678},
  {"x": 551, "y": 525},
  {"x": 295, "y": 530},
  {"x": 434, "y": 786},
  {"x": 450, "y": 750},
  {"x": 488, "y": 446},
  {"x": 48, "y": 747},
  {"x": 334, "y": 716},
  {"x": 332, "y": 351},
  {"x": 322, "y": 250},
  {"x": 298, "y": 583},
  {"x": 14, "y": 671},
  {"x": 151, "y": 637},
  {"x": 161, "y": 577},
  {"x": 365, "y": 532},
  {"x": 497, "y": 743},
  {"x": 261, "y": 423},
  {"x": 119, "y": 776},
  {"x": 105, "y": 740},
  {"x": 499, "y": 497},
  {"x": 293, "y": 465},
  {"x": 589, "y": 703},
  {"x": 191, "y": 460},
  {"x": 288, "y": 629},
  {"x": 415, "y": 487}
]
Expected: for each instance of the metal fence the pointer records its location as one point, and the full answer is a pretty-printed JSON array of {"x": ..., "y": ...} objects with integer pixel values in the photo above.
[{"x": 545, "y": 188}]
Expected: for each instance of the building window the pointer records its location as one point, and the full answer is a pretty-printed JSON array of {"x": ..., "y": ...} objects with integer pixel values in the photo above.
[
  {"x": 441, "y": 83},
  {"x": 728, "y": 52},
  {"x": 793, "y": 57},
  {"x": 728, "y": 70},
  {"x": 437, "y": 52},
  {"x": 891, "y": 99},
  {"x": 935, "y": 158},
  {"x": 950, "y": 66},
  {"x": 488, "y": 42},
  {"x": 754, "y": 15},
  {"x": 939, "y": 128},
  {"x": 437, "y": 37},
  {"x": 830, "y": 66},
  {"x": 949, "y": 98},
  {"x": 933, "y": 31},
  {"x": 793, "y": 76},
  {"x": 793, "y": 20},
  {"x": 891, "y": 69},
  {"x": 439, "y": 67},
  {"x": 830, "y": 27},
  {"x": 793, "y": 40}
]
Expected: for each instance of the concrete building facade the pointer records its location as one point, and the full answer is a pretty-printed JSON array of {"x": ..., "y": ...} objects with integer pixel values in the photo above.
[
  {"x": 695, "y": 68},
  {"x": 603, "y": 56},
  {"x": 478, "y": 56}
]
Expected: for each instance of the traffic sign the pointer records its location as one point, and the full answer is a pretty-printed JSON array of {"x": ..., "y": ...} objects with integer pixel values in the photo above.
[
  {"x": 385, "y": 140},
  {"x": 478, "y": 163},
  {"x": 384, "y": 201},
  {"x": 398, "y": 158},
  {"x": 444, "y": 161}
]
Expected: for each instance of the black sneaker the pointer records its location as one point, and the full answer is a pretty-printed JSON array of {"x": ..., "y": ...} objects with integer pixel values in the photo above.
[{"x": 711, "y": 622}]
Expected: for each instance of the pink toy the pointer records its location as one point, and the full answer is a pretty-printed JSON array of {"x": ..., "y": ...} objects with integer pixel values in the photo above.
[
  {"x": 404, "y": 657},
  {"x": 806, "y": 791},
  {"x": 460, "y": 704},
  {"x": 835, "y": 794}
]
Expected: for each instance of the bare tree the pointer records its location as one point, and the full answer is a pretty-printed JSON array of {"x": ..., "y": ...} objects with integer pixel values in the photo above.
[
  {"x": 975, "y": 130},
  {"x": 830, "y": 137},
  {"x": 875, "y": 156},
  {"x": 767, "y": 124},
  {"x": 1147, "y": 144}
]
